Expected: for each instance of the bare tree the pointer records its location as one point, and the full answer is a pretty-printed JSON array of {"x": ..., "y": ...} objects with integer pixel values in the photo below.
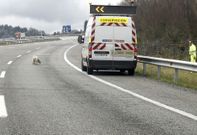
[{"x": 165, "y": 24}]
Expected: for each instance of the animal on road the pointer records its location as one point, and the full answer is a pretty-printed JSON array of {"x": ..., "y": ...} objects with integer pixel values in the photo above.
[{"x": 36, "y": 60}]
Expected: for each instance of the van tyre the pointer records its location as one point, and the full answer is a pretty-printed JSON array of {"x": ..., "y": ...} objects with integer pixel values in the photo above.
[
  {"x": 131, "y": 72},
  {"x": 83, "y": 68},
  {"x": 89, "y": 70}
]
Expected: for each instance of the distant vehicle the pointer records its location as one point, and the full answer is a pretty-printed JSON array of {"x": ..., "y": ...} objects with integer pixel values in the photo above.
[
  {"x": 110, "y": 40},
  {"x": 20, "y": 35}
]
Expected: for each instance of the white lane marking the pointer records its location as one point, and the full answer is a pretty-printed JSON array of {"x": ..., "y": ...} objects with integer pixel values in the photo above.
[
  {"x": 38, "y": 48},
  {"x": 28, "y": 51},
  {"x": 19, "y": 56},
  {"x": 3, "y": 110},
  {"x": 10, "y": 62},
  {"x": 183, "y": 113},
  {"x": 3, "y": 74}
]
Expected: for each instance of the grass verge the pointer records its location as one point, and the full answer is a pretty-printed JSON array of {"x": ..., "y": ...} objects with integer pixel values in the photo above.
[{"x": 186, "y": 79}]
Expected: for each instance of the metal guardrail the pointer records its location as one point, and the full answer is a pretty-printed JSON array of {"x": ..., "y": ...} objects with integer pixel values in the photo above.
[
  {"x": 27, "y": 40},
  {"x": 170, "y": 63}
]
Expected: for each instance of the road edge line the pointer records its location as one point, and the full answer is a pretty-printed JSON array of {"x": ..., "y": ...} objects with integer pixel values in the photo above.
[
  {"x": 3, "y": 110},
  {"x": 156, "y": 103}
]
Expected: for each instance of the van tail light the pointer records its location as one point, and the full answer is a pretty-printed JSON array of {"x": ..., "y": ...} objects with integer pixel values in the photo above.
[
  {"x": 90, "y": 55},
  {"x": 135, "y": 49},
  {"x": 90, "y": 51},
  {"x": 135, "y": 52}
]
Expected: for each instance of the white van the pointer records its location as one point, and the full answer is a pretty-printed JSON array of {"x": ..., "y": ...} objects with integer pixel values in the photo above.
[{"x": 109, "y": 44}]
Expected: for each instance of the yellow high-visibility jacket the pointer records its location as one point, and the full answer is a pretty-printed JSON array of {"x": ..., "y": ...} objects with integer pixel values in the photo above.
[{"x": 192, "y": 50}]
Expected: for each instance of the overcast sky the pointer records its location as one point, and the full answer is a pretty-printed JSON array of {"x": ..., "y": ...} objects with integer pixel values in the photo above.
[{"x": 47, "y": 15}]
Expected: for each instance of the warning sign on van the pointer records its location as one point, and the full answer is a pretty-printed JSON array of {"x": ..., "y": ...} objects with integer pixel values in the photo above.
[
  {"x": 112, "y": 10},
  {"x": 114, "y": 20}
]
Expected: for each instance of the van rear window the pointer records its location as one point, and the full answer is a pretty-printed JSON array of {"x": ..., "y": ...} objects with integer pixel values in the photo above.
[{"x": 106, "y": 34}]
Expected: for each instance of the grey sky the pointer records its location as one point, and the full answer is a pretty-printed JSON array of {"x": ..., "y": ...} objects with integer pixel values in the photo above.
[{"x": 48, "y": 15}]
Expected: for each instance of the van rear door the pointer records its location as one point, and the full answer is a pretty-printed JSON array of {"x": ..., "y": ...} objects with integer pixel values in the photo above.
[
  {"x": 103, "y": 44},
  {"x": 113, "y": 38},
  {"x": 123, "y": 50}
]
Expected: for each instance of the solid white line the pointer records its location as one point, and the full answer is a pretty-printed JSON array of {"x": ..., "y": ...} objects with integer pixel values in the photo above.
[
  {"x": 3, "y": 110},
  {"x": 3, "y": 74},
  {"x": 19, "y": 56},
  {"x": 10, "y": 62},
  {"x": 183, "y": 113}
]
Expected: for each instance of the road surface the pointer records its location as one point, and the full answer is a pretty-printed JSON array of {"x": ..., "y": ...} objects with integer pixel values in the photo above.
[{"x": 55, "y": 98}]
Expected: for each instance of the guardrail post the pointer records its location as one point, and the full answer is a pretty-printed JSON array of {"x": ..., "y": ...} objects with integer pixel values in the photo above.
[
  {"x": 144, "y": 69},
  {"x": 176, "y": 75},
  {"x": 158, "y": 72}
]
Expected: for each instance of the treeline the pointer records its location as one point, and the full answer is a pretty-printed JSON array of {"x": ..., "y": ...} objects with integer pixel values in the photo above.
[
  {"x": 164, "y": 26},
  {"x": 7, "y": 31}
]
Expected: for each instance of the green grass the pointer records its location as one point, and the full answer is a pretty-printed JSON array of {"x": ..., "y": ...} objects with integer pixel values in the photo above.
[
  {"x": 4, "y": 43},
  {"x": 186, "y": 79}
]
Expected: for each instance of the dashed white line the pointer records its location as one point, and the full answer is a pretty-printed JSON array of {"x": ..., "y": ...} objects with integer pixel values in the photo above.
[
  {"x": 19, "y": 56},
  {"x": 3, "y": 74},
  {"x": 38, "y": 48},
  {"x": 10, "y": 62},
  {"x": 183, "y": 113},
  {"x": 28, "y": 51},
  {"x": 3, "y": 110}
]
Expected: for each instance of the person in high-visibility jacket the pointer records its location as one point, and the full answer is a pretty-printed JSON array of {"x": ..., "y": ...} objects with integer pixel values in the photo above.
[{"x": 192, "y": 52}]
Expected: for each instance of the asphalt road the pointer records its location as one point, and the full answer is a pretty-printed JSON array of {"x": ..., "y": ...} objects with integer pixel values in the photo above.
[{"x": 54, "y": 98}]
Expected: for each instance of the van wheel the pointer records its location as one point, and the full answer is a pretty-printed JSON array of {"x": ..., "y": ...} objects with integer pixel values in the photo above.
[
  {"x": 89, "y": 70},
  {"x": 131, "y": 72},
  {"x": 83, "y": 68}
]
